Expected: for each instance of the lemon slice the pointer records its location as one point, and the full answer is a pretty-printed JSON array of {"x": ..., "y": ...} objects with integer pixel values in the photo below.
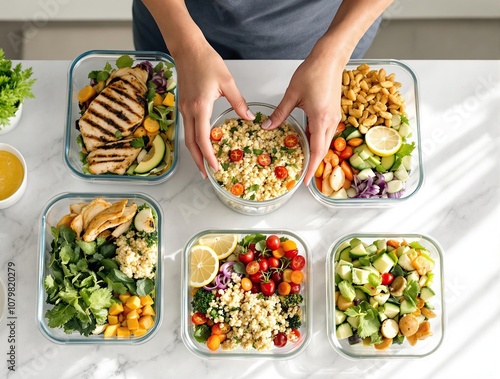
[
  {"x": 203, "y": 267},
  {"x": 383, "y": 141},
  {"x": 222, "y": 244}
]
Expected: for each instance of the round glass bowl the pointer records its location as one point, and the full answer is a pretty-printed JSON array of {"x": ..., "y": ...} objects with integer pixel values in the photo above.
[
  {"x": 341, "y": 251},
  {"x": 291, "y": 349},
  {"x": 251, "y": 207},
  {"x": 12, "y": 169},
  {"x": 52, "y": 212},
  {"x": 79, "y": 70},
  {"x": 409, "y": 91}
]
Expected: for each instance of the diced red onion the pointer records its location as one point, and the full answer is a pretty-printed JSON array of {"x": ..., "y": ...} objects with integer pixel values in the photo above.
[
  {"x": 148, "y": 66},
  {"x": 227, "y": 268}
]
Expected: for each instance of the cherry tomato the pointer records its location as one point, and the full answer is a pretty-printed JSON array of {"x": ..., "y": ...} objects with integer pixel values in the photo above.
[
  {"x": 246, "y": 257},
  {"x": 199, "y": 318},
  {"x": 387, "y": 278},
  {"x": 236, "y": 155},
  {"x": 213, "y": 342},
  {"x": 291, "y": 253},
  {"x": 222, "y": 337},
  {"x": 288, "y": 245},
  {"x": 278, "y": 253},
  {"x": 284, "y": 288},
  {"x": 264, "y": 160},
  {"x": 280, "y": 339},
  {"x": 293, "y": 335},
  {"x": 255, "y": 288},
  {"x": 273, "y": 242},
  {"x": 237, "y": 189},
  {"x": 268, "y": 287},
  {"x": 257, "y": 277},
  {"x": 264, "y": 264},
  {"x": 221, "y": 328},
  {"x": 294, "y": 288},
  {"x": 273, "y": 262},
  {"x": 340, "y": 128},
  {"x": 298, "y": 262},
  {"x": 346, "y": 153},
  {"x": 216, "y": 134},
  {"x": 287, "y": 274},
  {"x": 252, "y": 247},
  {"x": 297, "y": 277},
  {"x": 252, "y": 267},
  {"x": 339, "y": 143},
  {"x": 281, "y": 172},
  {"x": 246, "y": 284},
  {"x": 291, "y": 141},
  {"x": 277, "y": 276}
]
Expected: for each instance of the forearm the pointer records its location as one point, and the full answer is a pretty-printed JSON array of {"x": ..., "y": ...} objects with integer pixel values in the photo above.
[
  {"x": 349, "y": 24},
  {"x": 176, "y": 25}
]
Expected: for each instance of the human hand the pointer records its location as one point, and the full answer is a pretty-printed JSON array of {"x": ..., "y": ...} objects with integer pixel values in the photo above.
[
  {"x": 315, "y": 88},
  {"x": 202, "y": 78}
]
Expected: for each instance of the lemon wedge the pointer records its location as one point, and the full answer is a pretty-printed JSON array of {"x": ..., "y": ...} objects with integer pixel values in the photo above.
[
  {"x": 222, "y": 244},
  {"x": 383, "y": 141},
  {"x": 204, "y": 266}
]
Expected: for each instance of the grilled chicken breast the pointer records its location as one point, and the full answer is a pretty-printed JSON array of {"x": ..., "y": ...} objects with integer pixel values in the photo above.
[
  {"x": 118, "y": 109},
  {"x": 113, "y": 157}
]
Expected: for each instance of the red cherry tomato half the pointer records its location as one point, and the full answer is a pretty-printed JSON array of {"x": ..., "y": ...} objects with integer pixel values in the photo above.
[
  {"x": 294, "y": 288},
  {"x": 387, "y": 278},
  {"x": 291, "y": 141},
  {"x": 291, "y": 253},
  {"x": 280, "y": 339},
  {"x": 236, "y": 155},
  {"x": 246, "y": 257},
  {"x": 199, "y": 318},
  {"x": 281, "y": 172},
  {"x": 273, "y": 262},
  {"x": 264, "y": 264},
  {"x": 268, "y": 287},
  {"x": 237, "y": 189},
  {"x": 273, "y": 242},
  {"x": 252, "y": 267},
  {"x": 298, "y": 262},
  {"x": 216, "y": 134},
  {"x": 264, "y": 160},
  {"x": 293, "y": 336},
  {"x": 277, "y": 276}
]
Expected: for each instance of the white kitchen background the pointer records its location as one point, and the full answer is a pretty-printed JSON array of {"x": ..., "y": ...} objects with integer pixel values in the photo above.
[{"x": 412, "y": 29}]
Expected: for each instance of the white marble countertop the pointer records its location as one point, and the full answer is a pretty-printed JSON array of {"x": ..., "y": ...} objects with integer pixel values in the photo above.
[{"x": 458, "y": 206}]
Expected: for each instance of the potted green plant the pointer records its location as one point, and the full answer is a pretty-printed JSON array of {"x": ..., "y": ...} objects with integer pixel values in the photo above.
[{"x": 15, "y": 87}]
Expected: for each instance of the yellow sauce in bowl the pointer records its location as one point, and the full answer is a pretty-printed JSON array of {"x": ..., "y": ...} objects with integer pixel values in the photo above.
[{"x": 11, "y": 174}]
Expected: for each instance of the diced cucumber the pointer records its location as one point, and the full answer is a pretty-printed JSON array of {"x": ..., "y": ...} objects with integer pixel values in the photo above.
[
  {"x": 420, "y": 319},
  {"x": 395, "y": 120},
  {"x": 342, "y": 246},
  {"x": 402, "y": 249},
  {"x": 426, "y": 294},
  {"x": 339, "y": 316},
  {"x": 130, "y": 170},
  {"x": 171, "y": 84},
  {"x": 344, "y": 331},
  {"x": 357, "y": 263},
  {"x": 371, "y": 249},
  {"x": 381, "y": 298},
  {"x": 394, "y": 186},
  {"x": 393, "y": 256},
  {"x": 383, "y": 264},
  {"x": 360, "y": 276},
  {"x": 344, "y": 254},
  {"x": 404, "y": 130},
  {"x": 358, "y": 251},
  {"x": 360, "y": 295},
  {"x": 356, "y": 161},
  {"x": 405, "y": 262},
  {"x": 373, "y": 302},
  {"x": 355, "y": 134},
  {"x": 364, "y": 174},
  {"x": 381, "y": 244},
  {"x": 365, "y": 153},
  {"x": 355, "y": 241},
  {"x": 406, "y": 162},
  {"x": 391, "y": 310},
  {"x": 413, "y": 275},
  {"x": 353, "y": 321},
  {"x": 401, "y": 174},
  {"x": 407, "y": 307},
  {"x": 359, "y": 148},
  {"x": 387, "y": 162},
  {"x": 345, "y": 272}
]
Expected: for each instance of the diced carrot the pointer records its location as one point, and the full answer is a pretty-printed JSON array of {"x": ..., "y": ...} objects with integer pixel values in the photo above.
[
  {"x": 395, "y": 244},
  {"x": 347, "y": 184},
  {"x": 340, "y": 128},
  {"x": 346, "y": 167},
  {"x": 146, "y": 300},
  {"x": 290, "y": 184},
  {"x": 319, "y": 170},
  {"x": 354, "y": 142},
  {"x": 86, "y": 93},
  {"x": 339, "y": 143},
  {"x": 319, "y": 182}
]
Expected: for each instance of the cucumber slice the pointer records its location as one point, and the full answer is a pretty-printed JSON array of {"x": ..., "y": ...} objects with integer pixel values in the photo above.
[
  {"x": 339, "y": 317},
  {"x": 344, "y": 331},
  {"x": 154, "y": 156},
  {"x": 387, "y": 162},
  {"x": 355, "y": 134},
  {"x": 353, "y": 321},
  {"x": 171, "y": 84},
  {"x": 391, "y": 310},
  {"x": 358, "y": 251},
  {"x": 426, "y": 294},
  {"x": 407, "y": 307},
  {"x": 384, "y": 263},
  {"x": 357, "y": 162},
  {"x": 360, "y": 276}
]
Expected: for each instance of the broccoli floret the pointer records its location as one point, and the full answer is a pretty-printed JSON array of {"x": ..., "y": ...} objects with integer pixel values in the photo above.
[
  {"x": 291, "y": 300},
  {"x": 294, "y": 322},
  {"x": 201, "y": 300}
]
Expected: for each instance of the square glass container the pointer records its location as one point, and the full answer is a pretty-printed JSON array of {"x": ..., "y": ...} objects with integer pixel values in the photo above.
[
  {"x": 409, "y": 91},
  {"x": 52, "y": 212},
  {"x": 250, "y": 207},
  {"x": 77, "y": 79},
  {"x": 422, "y": 348},
  {"x": 290, "y": 350}
]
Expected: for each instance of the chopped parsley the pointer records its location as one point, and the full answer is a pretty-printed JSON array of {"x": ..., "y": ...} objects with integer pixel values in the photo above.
[
  {"x": 118, "y": 135},
  {"x": 258, "y": 151},
  {"x": 258, "y": 117},
  {"x": 247, "y": 150},
  {"x": 140, "y": 142}
]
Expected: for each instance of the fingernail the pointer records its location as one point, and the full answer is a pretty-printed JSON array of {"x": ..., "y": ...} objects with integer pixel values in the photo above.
[
  {"x": 203, "y": 175},
  {"x": 250, "y": 114},
  {"x": 266, "y": 124}
]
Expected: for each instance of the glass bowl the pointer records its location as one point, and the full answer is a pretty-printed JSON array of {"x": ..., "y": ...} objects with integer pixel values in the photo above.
[
  {"x": 339, "y": 251},
  {"x": 290, "y": 350},
  {"x": 409, "y": 91},
  {"x": 18, "y": 193},
  {"x": 52, "y": 212},
  {"x": 251, "y": 207},
  {"x": 78, "y": 78}
]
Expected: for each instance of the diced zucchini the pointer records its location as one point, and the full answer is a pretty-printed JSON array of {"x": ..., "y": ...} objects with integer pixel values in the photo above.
[
  {"x": 344, "y": 331},
  {"x": 356, "y": 161},
  {"x": 413, "y": 275},
  {"x": 404, "y": 130},
  {"x": 406, "y": 162},
  {"x": 391, "y": 310},
  {"x": 426, "y": 294},
  {"x": 344, "y": 254},
  {"x": 407, "y": 307},
  {"x": 339, "y": 316},
  {"x": 383, "y": 264},
  {"x": 358, "y": 251},
  {"x": 360, "y": 276},
  {"x": 381, "y": 298},
  {"x": 353, "y": 321}
]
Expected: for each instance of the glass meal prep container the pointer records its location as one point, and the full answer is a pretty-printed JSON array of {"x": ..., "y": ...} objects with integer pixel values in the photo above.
[
  {"x": 52, "y": 213},
  {"x": 409, "y": 91},
  {"x": 253, "y": 207},
  {"x": 95, "y": 60},
  {"x": 339, "y": 319},
  {"x": 291, "y": 349}
]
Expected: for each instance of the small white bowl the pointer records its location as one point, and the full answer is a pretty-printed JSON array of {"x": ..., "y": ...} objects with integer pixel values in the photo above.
[
  {"x": 13, "y": 121},
  {"x": 14, "y": 198}
]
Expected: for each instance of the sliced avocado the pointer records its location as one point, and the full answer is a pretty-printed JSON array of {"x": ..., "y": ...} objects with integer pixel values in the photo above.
[{"x": 149, "y": 163}]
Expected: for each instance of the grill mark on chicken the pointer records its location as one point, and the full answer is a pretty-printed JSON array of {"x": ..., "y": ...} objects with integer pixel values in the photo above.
[{"x": 114, "y": 157}]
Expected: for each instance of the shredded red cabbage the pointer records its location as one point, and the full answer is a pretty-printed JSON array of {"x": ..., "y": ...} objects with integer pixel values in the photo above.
[
  {"x": 160, "y": 82},
  {"x": 373, "y": 187}
]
